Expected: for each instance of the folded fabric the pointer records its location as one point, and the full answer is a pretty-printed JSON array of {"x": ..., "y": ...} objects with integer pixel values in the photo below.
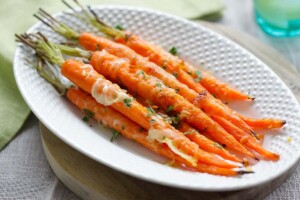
[{"x": 16, "y": 17}]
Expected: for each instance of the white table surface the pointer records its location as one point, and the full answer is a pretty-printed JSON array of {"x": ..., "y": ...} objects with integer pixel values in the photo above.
[{"x": 25, "y": 173}]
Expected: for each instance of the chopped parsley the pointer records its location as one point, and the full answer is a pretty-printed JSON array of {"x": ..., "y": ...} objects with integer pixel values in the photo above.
[
  {"x": 169, "y": 109},
  {"x": 127, "y": 102},
  {"x": 175, "y": 121},
  {"x": 150, "y": 111},
  {"x": 119, "y": 27},
  {"x": 198, "y": 76},
  {"x": 173, "y": 51},
  {"x": 115, "y": 135},
  {"x": 158, "y": 84},
  {"x": 152, "y": 120},
  {"x": 88, "y": 115},
  {"x": 141, "y": 72}
]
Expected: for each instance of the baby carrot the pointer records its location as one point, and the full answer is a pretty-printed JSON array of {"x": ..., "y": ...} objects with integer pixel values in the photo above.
[
  {"x": 201, "y": 98},
  {"x": 153, "y": 89},
  {"x": 172, "y": 63},
  {"x": 191, "y": 133},
  {"x": 105, "y": 92},
  {"x": 163, "y": 58},
  {"x": 110, "y": 94},
  {"x": 205, "y": 143},
  {"x": 133, "y": 131},
  {"x": 92, "y": 43},
  {"x": 250, "y": 142},
  {"x": 264, "y": 123}
]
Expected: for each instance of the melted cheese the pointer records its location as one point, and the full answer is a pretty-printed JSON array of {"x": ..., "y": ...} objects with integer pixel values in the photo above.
[
  {"x": 109, "y": 93},
  {"x": 161, "y": 135}
]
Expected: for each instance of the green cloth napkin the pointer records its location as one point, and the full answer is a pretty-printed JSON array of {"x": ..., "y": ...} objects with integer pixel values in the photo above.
[{"x": 16, "y": 17}]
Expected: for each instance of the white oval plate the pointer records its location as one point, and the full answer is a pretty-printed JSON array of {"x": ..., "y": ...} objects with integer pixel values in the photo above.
[{"x": 197, "y": 45}]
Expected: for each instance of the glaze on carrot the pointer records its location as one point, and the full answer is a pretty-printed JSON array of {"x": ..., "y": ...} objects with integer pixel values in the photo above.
[
  {"x": 86, "y": 77},
  {"x": 153, "y": 89},
  {"x": 129, "y": 129},
  {"x": 199, "y": 96}
]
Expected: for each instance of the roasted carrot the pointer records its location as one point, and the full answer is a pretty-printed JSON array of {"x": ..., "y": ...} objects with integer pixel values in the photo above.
[
  {"x": 201, "y": 98},
  {"x": 250, "y": 142},
  {"x": 205, "y": 143},
  {"x": 110, "y": 94},
  {"x": 207, "y": 103},
  {"x": 133, "y": 131},
  {"x": 172, "y": 63},
  {"x": 89, "y": 80},
  {"x": 153, "y": 89},
  {"x": 264, "y": 123},
  {"x": 191, "y": 133}
]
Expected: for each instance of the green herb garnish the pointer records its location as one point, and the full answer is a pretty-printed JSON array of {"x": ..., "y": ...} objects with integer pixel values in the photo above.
[
  {"x": 175, "y": 121},
  {"x": 115, "y": 135},
  {"x": 198, "y": 76},
  {"x": 141, "y": 72},
  {"x": 150, "y": 111},
  {"x": 173, "y": 51},
  {"x": 158, "y": 84},
  {"x": 169, "y": 109},
  {"x": 119, "y": 27},
  {"x": 127, "y": 102},
  {"x": 88, "y": 115}
]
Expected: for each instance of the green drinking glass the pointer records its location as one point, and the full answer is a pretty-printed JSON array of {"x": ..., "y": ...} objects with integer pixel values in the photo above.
[{"x": 279, "y": 18}]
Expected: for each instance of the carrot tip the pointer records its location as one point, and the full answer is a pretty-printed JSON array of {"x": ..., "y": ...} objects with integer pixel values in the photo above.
[
  {"x": 251, "y": 98},
  {"x": 283, "y": 122},
  {"x": 241, "y": 172}
]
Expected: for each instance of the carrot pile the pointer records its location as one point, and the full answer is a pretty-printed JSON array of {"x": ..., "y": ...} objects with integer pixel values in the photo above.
[{"x": 151, "y": 96}]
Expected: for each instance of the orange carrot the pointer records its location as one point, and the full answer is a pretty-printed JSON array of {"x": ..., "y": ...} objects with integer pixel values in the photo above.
[
  {"x": 171, "y": 63},
  {"x": 264, "y": 123},
  {"x": 131, "y": 130},
  {"x": 151, "y": 51},
  {"x": 217, "y": 87},
  {"x": 153, "y": 89},
  {"x": 191, "y": 133},
  {"x": 205, "y": 143},
  {"x": 201, "y": 98},
  {"x": 110, "y": 94},
  {"x": 250, "y": 142},
  {"x": 105, "y": 92},
  {"x": 208, "y": 80}
]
